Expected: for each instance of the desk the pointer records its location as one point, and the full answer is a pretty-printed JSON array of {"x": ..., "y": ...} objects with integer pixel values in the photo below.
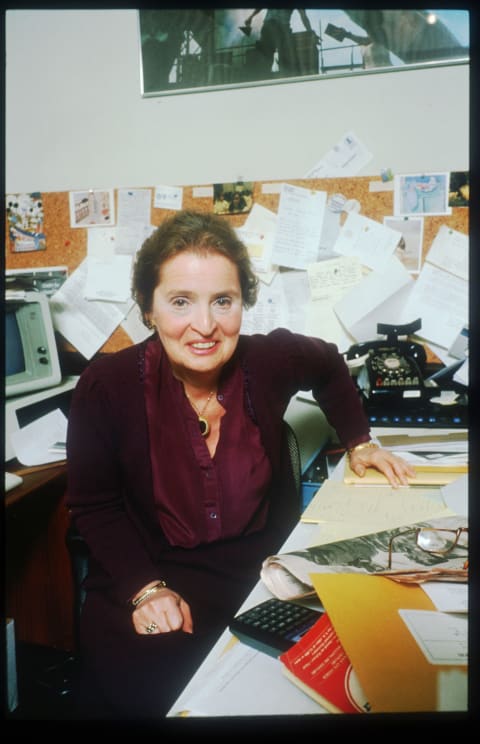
[
  {"x": 258, "y": 687},
  {"x": 235, "y": 680},
  {"x": 38, "y": 591}
]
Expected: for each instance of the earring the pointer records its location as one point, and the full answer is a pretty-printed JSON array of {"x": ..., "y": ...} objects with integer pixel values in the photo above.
[{"x": 149, "y": 324}]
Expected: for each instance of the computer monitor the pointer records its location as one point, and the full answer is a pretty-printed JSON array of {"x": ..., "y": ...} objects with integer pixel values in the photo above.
[{"x": 31, "y": 355}]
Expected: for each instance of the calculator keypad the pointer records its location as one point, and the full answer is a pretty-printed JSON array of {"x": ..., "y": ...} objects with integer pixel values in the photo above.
[{"x": 274, "y": 626}]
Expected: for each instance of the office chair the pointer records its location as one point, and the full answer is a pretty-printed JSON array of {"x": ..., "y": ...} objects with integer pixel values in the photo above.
[
  {"x": 78, "y": 550},
  {"x": 295, "y": 460}
]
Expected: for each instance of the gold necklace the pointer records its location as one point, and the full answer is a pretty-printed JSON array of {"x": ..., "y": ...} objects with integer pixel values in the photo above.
[{"x": 202, "y": 421}]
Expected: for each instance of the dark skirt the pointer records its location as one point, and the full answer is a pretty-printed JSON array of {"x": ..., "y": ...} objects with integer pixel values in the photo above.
[{"x": 127, "y": 676}]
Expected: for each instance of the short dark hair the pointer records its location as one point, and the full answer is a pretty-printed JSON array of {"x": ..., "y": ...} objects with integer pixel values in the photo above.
[{"x": 188, "y": 230}]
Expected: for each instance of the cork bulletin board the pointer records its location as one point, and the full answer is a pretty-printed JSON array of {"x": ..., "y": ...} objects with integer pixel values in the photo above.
[{"x": 67, "y": 246}]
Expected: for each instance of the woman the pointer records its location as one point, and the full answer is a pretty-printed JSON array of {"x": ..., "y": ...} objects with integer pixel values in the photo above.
[{"x": 178, "y": 474}]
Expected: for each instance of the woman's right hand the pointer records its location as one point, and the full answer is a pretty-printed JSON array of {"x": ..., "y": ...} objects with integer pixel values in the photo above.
[{"x": 162, "y": 612}]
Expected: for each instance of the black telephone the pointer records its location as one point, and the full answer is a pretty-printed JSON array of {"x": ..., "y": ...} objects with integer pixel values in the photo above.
[
  {"x": 391, "y": 366},
  {"x": 396, "y": 383}
]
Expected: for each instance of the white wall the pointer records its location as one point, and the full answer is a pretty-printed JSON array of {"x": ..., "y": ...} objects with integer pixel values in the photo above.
[{"x": 75, "y": 117}]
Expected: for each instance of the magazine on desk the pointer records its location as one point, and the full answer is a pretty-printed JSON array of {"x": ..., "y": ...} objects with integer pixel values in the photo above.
[{"x": 287, "y": 575}]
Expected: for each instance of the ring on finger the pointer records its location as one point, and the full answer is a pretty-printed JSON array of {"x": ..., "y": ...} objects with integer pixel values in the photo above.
[{"x": 151, "y": 627}]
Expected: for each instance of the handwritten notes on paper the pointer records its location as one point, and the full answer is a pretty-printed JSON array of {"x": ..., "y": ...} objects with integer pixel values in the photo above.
[
  {"x": 329, "y": 280},
  {"x": 299, "y": 226},
  {"x": 349, "y": 511}
]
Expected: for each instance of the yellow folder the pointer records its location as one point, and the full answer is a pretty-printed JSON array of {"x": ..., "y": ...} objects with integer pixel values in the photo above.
[
  {"x": 392, "y": 669},
  {"x": 426, "y": 475}
]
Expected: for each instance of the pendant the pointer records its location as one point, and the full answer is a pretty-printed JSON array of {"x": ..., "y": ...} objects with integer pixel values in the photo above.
[{"x": 204, "y": 426}]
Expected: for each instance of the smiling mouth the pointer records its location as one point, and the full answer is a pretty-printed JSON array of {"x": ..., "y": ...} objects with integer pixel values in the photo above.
[{"x": 203, "y": 345}]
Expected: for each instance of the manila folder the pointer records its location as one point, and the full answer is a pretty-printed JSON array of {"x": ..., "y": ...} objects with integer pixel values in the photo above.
[{"x": 392, "y": 669}]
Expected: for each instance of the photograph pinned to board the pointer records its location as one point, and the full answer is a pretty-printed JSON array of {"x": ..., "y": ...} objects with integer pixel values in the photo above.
[
  {"x": 232, "y": 198},
  {"x": 92, "y": 208},
  {"x": 25, "y": 222},
  {"x": 459, "y": 195},
  {"x": 421, "y": 193},
  {"x": 409, "y": 248}
]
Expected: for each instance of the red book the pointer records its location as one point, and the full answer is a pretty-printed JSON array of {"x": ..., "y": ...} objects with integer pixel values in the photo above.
[{"x": 319, "y": 666}]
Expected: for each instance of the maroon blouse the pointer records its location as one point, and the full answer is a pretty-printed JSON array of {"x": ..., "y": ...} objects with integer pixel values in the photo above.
[
  {"x": 142, "y": 487},
  {"x": 228, "y": 497}
]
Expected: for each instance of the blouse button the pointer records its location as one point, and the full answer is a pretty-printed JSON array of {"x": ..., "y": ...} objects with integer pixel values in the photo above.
[
  {"x": 220, "y": 396},
  {"x": 213, "y": 515}
]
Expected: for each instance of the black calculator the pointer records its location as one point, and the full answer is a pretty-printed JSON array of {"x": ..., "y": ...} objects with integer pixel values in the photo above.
[{"x": 274, "y": 626}]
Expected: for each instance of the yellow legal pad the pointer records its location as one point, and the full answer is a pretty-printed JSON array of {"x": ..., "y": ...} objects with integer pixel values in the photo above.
[
  {"x": 393, "y": 671},
  {"x": 427, "y": 475}
]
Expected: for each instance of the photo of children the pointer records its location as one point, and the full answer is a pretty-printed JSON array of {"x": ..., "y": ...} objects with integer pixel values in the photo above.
[{"x": 232, "y": 198}]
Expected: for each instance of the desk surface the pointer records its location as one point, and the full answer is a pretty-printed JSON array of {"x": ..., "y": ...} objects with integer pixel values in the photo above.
[
  {"x": 33, "y": 479},
  {"x": 236, "y": 680}
]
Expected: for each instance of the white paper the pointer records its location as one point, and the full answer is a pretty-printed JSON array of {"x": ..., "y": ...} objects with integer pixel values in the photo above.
[
  {"x": 377, "y": 298},
  {"x": 442, "y": 637},
  {"x": 87, "y": 324},
  {"x": 244, "y": 679},
  {"x": 261, "y": 219},
  {"x": 297, "y": 296},
  {"x": 269, "y": 312},
  {"x": 372, "y": 242},
  {"x": 449, "y": 251},
  {"x": 32, "y": 443},
  {"x": 101, "y": 243},
  {"x": 329, "y": 280},
  {"x": 462, "y": 374},
  {"x": 168, "y": 197},
  {"x": 108, "y": 279},
  {"x": 346, "y": 158},
  {"x": 440, "y": 299},
  {"x": 262, "y": 222},
  {"x": 129, "y": 238},
  {"x": 134, "y": 206},
  {"x": 447, "y": 596},
  {"x": 455, "y": 495},
  {"x": 259, "y": 246},
  {"x": 134, "y": 326},
  {"x": 322, "y": 322},
  {"x": 299, "y": 226},
  {"x": 409, "y": 250}
]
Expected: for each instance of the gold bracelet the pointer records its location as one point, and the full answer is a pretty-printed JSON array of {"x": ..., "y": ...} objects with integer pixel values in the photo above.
[
  {"x": 363, "y": 445},
  {"x": 159, "y": 585}
]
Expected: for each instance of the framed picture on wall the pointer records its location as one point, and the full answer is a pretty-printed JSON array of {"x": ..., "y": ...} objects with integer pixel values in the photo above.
[{"x": 195, "y": 50}]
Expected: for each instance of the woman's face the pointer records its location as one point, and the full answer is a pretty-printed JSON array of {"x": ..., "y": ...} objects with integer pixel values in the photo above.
[{"x": 197, "y": 309}]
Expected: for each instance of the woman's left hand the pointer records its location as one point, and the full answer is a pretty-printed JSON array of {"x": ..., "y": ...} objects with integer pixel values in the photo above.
[{"x": 396, "y": 469}]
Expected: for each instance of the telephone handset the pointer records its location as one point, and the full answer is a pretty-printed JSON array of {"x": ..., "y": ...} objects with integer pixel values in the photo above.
[{"x": 392, "y": 367}]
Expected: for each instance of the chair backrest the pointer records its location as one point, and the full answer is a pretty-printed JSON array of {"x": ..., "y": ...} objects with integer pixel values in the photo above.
[
  {"x": 78, "y": 552},
  {"x": 295, "y": 459}
]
